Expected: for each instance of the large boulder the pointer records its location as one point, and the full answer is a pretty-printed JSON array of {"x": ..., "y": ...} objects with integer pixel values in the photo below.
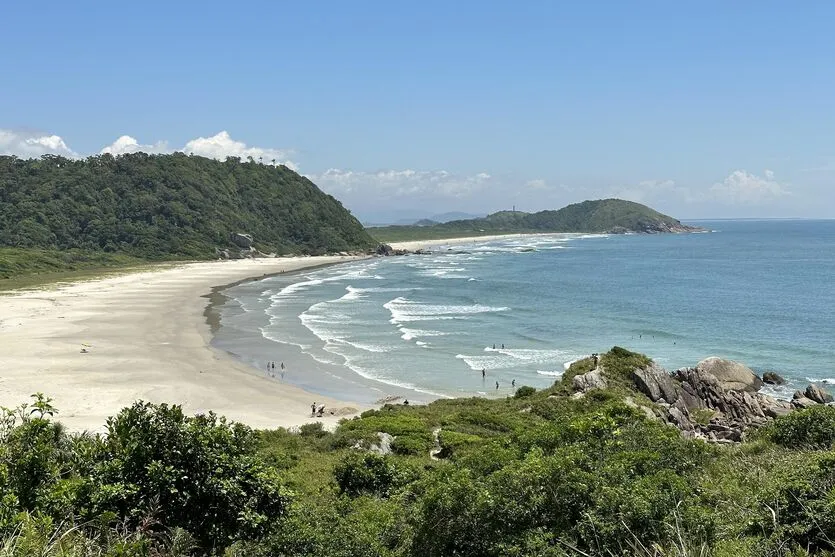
[
  {"x": 803, "y": 402},
  {"x": 772, "y": 378},
  {"x": 656, "y": 383},
  {"x": 589, "y": 381},
  {"x": 732, "y": 376},
  {"x": 241, "y": 240},
  {"x": 817, "y": 394}
]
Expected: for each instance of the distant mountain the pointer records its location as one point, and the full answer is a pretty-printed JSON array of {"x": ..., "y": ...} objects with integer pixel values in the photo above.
[
  {"x": 454, "y": 215},
  {"x": 603, "y": 215},
  {"x": 168, "y": 206}
]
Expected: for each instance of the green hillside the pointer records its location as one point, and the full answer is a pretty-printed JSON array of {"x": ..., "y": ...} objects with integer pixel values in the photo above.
[
  {"x": 167, "y": 206},
  {"x": 603, "y": 215}
]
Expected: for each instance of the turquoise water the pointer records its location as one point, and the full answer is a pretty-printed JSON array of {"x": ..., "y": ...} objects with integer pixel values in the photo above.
[{"x": 760, "y": 292}]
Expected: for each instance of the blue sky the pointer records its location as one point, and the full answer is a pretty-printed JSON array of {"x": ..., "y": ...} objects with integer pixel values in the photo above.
[{"x": 708, "y": 109}]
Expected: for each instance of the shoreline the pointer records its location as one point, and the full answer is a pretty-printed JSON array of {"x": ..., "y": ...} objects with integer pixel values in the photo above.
[
  {"x": 413, "y": 245},
  {"x": 98, "y": 346}
]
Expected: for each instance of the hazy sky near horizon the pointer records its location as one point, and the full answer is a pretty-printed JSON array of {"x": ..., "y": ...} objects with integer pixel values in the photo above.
[{"x": 708, "y": 109}]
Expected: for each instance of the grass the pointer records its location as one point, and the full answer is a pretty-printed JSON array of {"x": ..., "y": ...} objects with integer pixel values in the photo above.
[{"x": 33, "y": 268}]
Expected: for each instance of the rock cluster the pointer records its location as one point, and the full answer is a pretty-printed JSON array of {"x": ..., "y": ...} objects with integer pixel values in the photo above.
[
  {"x": 387, "y": 251},
  {"x": 718, "y": 399}
]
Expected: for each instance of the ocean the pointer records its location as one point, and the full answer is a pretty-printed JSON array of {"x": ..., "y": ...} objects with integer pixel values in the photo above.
[{"x": 521, "y": 308}]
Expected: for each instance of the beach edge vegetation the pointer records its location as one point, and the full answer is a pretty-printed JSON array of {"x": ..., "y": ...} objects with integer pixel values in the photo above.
[{"x": 542, "y": 473}]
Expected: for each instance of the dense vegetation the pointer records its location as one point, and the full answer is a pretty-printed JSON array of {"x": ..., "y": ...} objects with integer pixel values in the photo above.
[
  {"x": 164, "y": 207},
  {"x": 538, "y": 474},
  {"x": 603, "y": 215}
]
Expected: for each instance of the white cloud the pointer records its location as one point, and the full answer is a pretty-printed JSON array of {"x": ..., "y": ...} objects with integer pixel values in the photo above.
[
  {"x": 740, "y": 187},
  {"x": 222, "y": 145},
  {"x": 400, "y": 183},
  {"x": 538, "y": 184},
  {"x": 29, "y": 144},
  {"x": 127, "y": 144}
]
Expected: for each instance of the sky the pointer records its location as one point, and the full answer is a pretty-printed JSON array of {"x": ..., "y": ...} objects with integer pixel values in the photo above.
[{"x": 698, "y": 109}]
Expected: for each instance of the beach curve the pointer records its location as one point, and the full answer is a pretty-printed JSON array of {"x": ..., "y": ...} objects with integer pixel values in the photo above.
[{"x": 98, "y": 346}]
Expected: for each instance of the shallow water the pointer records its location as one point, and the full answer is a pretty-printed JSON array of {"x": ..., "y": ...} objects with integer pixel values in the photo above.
[{"x": 760, "y": 292}]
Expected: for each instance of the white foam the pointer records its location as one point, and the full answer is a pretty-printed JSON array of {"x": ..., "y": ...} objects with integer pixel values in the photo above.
[
  {"x": 825, "y": 380},
  {"x": 291, "y": 290},
  {"x": 529, "y": 354},
  {"x": 411, "y": 334},
  {"x": 405, "y": 311},
  {"x": 550, "y": 373}
]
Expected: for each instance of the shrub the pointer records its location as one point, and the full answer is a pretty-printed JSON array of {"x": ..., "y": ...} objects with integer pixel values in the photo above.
[
  {"x": 199, "y": 473},
  {"x": 812, "y": 427},
  {"x": 524, "y": 391},
  {"x": 315, "y": 430},
  {"x": 365, "y": 473}
]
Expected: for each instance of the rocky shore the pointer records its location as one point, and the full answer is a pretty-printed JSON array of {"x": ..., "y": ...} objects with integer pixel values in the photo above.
[{"x": 717, "y": 400}]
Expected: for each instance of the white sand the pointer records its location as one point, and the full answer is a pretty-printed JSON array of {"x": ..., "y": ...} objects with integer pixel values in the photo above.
[
  {"x": 147, "y": 339},
  {"x": 429, "y": 244}
]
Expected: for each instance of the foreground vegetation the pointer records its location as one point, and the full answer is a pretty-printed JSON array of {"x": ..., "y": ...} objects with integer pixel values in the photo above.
[
  {"x": 166, "y": 206},
  {"x": 538, "y": 474},
  {"x": 603, "y": 215}
]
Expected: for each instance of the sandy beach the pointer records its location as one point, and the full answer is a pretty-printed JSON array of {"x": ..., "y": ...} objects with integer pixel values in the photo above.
[
  {"x": 98, "y": 346},
  {"x": 429, "y": 244}
]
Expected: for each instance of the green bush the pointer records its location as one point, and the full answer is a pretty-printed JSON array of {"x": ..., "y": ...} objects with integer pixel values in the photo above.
[
  {"x": 811, "y": 427},
  {"x": 359, "y": 473},
  {"x": 199, "y": 473},
  {"x": 524, "y": 391}
]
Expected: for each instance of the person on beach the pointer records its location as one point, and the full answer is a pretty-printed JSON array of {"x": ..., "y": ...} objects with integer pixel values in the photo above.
[
  {"x": 273, "y": 364},
  {"x": 513, "y": 383},
  {"x": 282, "y": 365},
  {"x": 494, "y": 346},
  {"x": 312, "y": 409},
  {"x": 502, "y": 346},
  {"x": 497, "y": 385},
  {"x": 483, "y": 373}
]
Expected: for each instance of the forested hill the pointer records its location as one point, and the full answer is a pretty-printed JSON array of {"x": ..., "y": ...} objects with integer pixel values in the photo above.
[
  {"x": 166, "y": 206},
  {"x": 603, "y": 215}
]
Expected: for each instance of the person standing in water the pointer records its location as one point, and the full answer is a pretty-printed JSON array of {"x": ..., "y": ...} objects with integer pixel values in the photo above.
[
  {"x": 483, "y": 373},
  {"x": 497, "y": 385}
]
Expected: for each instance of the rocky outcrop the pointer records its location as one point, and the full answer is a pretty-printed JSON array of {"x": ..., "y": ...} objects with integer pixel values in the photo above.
[
  {"x": 589, "y": 381},
  {"x": 731, "y": 375},
  {"x": 800, "y": 401},
  {"x": 656, "y": 383},
  {"x": 701, "y": 405},
  {"x": 241, "y": 240},
  {"x": 387, "y": 251},
  {"x": 819, "y": 395},
  {"x": 772, "y": 378}
]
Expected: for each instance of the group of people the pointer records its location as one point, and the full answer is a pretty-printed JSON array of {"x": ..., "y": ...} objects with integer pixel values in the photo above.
[
  {"x": 271, "y": 369},
  {"x": 484, "y": 376},
  {"x": 317, "y": 411}
]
